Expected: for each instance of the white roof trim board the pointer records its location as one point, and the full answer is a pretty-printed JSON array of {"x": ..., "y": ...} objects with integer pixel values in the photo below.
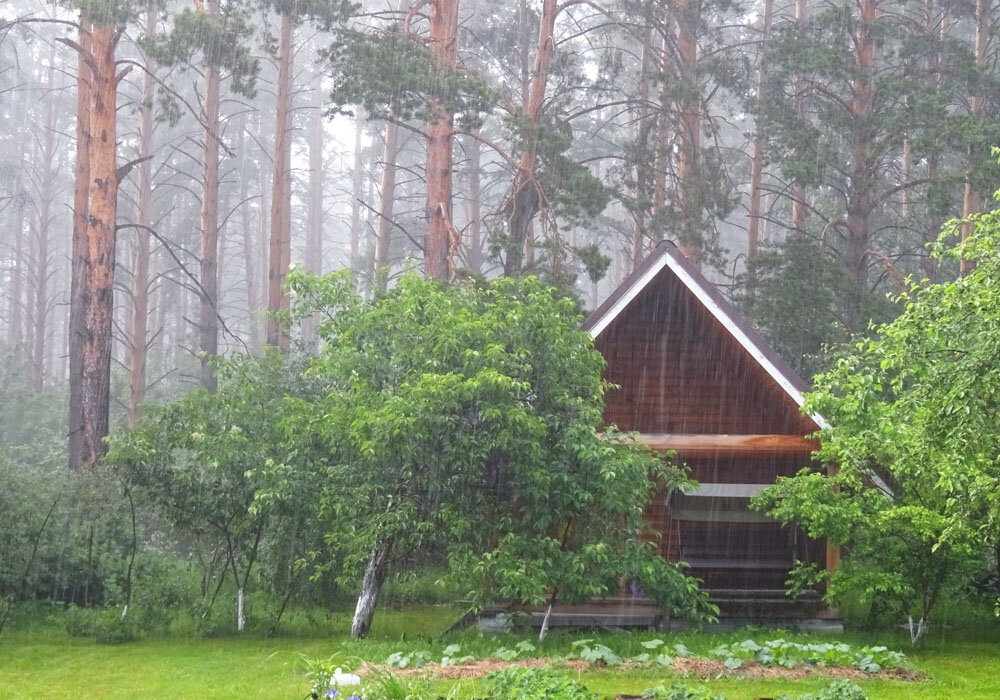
[{"x": 665, "y": 259}]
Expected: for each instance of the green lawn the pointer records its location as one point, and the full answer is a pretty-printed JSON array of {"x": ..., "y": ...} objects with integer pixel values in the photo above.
[{"x": 45, "y": 663}]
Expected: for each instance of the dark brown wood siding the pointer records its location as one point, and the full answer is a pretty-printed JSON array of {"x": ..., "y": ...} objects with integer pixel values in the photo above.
[{"x": 680, "y": 371}]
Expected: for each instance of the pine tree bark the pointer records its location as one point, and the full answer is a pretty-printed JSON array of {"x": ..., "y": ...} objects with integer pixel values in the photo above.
[
  {"x": 41, "y": 274},
  {"x": 387, "y": 198},
  {"x": 81, "y": 191},
  {"x": 860, "y": 203},
  {"x": 757, "y": 166},
  {"x": 798, "y": 188},
  {"x": 357, "y": 190},
  {"x": 208, "y": 324},
  {"x": 442, "y": 240},
  {"x": 645, "y": 127},
  {"x": 138, "y": 344},
  {"x": 281, "y": 195},
  {"x": 970, "y": 199},
  {"x": 525, "y": 201},
  {"x": 314, "y": 227},
  {"x": 248, "y": 235},
  {"x": 689, "y": 233},
  {"x": 473, "y": 210},
  {"x": 92, "y": 299}
]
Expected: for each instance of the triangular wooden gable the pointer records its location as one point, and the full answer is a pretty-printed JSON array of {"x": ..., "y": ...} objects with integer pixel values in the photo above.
[{"x": 687, "y": 363}]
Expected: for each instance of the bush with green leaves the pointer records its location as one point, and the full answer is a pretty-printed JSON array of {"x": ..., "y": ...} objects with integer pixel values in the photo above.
[
  {"x": 780, "y": 652},
  {"x": 842, "y": 689},
  {"x": 464, "y": 422},
  {"x": 516, "y": 651},
  {"x": 913, "y": 429},
  {"x": 679, "y": 691},
  {"x": 103, "y": 625},
  {"x": 380, "y": 685},
  {"x": 534, "y": 684},
  {"x": 593, "y": 652},
  {"x": 658, "y": 652}
]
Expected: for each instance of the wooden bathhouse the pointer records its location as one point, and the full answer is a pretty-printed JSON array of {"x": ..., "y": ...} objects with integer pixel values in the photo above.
[{"x": 694, "y": 377}]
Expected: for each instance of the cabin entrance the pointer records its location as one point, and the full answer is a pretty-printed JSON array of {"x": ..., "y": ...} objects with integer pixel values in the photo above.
[{"x": 726, "y": 544}]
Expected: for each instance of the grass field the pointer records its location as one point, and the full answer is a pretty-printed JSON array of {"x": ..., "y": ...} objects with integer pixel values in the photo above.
[{"x": 43, "y": 662}]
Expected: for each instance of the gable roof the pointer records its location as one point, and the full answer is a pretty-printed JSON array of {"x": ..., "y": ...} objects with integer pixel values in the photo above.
[{"x": 667, "y": 256}]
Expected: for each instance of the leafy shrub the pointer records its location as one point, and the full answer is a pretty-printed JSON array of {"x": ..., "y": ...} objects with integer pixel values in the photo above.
[
  {"x": 842, "y": 689},
  {"x": 451, "y": 656},
  {"x": 409, "y": 659},
  {"x": 103, "y": 626},
  {"x": 658, "y": 653},
  {"x": 593, "y": 652},
  {"x": 779, "y": 652},
  {"x": 519, "y": 650},
  {"x": 534, "y": 684},
  {"x": 679, "y": 691},
  {"x": 386, "y": 686},
  {"x": 428, "y": 587}
]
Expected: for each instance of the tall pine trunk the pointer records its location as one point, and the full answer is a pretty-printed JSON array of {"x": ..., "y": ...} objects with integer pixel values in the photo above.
[
  {"x": 281, "y": 195},
  {"x": 92, "y": 297},
  {"x": 140, "y": 272},
  {"x": 970, "y": 199},
  {"x": 314, "y": 227},
  {"x": 473, "y": 209},
  {"x": 81, "y": 190},
  {"x": 208, "y": 324},
  {"x": 860, "y": 204},
  {"x": 387, "y": 198},
  {"x": 757, "y": 166},
  {"x": 525, "y": 200},
  {"x": 441, "y": 241},
  {"x": 41, "y": 275},
  {"x": 688, "y": 19},
  {"x": 357, "y": 190},
  {"x": 798, "y": 188}
]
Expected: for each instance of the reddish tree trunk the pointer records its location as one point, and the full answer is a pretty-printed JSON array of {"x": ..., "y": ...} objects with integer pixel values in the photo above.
[
  {"x": 859, "y": 205},
  {"x": 281, "y": 195},
  {"x": 81, "y": 190},
  {"x": 798, "y": 189},
  {"x": 140, "y": 272},
  {"x": 314, "y": 228},
  {"x": 93, "y": 299},
  {"x": 525, "y": 201},
  {"x": 970, "y": 199},
  {"x": 442, "y": 240},
  {"x": 757, "y": 166},
  {"x": 645, "y": 125},
  {"x": 688, "y": 129}
]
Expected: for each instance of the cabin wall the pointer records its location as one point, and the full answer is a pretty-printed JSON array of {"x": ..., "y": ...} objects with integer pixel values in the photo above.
[{"x": 680, "y": 371}]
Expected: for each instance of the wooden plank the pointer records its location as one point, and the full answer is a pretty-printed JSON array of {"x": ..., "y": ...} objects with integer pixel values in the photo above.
[{"x": 689, "y": 443}]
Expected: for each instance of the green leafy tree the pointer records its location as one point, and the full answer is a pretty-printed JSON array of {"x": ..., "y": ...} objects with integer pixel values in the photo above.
[
  {"x": 914, "y": 415},
  {"x": 196, "y": 462},
  {"x": 463, "y": 420}
]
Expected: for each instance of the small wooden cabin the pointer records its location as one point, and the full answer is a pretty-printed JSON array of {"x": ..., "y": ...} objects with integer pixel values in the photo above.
[{"x": 694, "y": 377}]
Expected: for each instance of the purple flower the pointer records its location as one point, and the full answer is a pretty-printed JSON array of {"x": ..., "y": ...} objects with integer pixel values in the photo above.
[
  {"x": 332, "y": 693},
  {"x": 354, "y": 697}
]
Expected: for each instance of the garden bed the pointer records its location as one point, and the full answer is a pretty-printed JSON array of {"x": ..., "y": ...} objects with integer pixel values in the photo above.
[{"x": 691, "y": 666}]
